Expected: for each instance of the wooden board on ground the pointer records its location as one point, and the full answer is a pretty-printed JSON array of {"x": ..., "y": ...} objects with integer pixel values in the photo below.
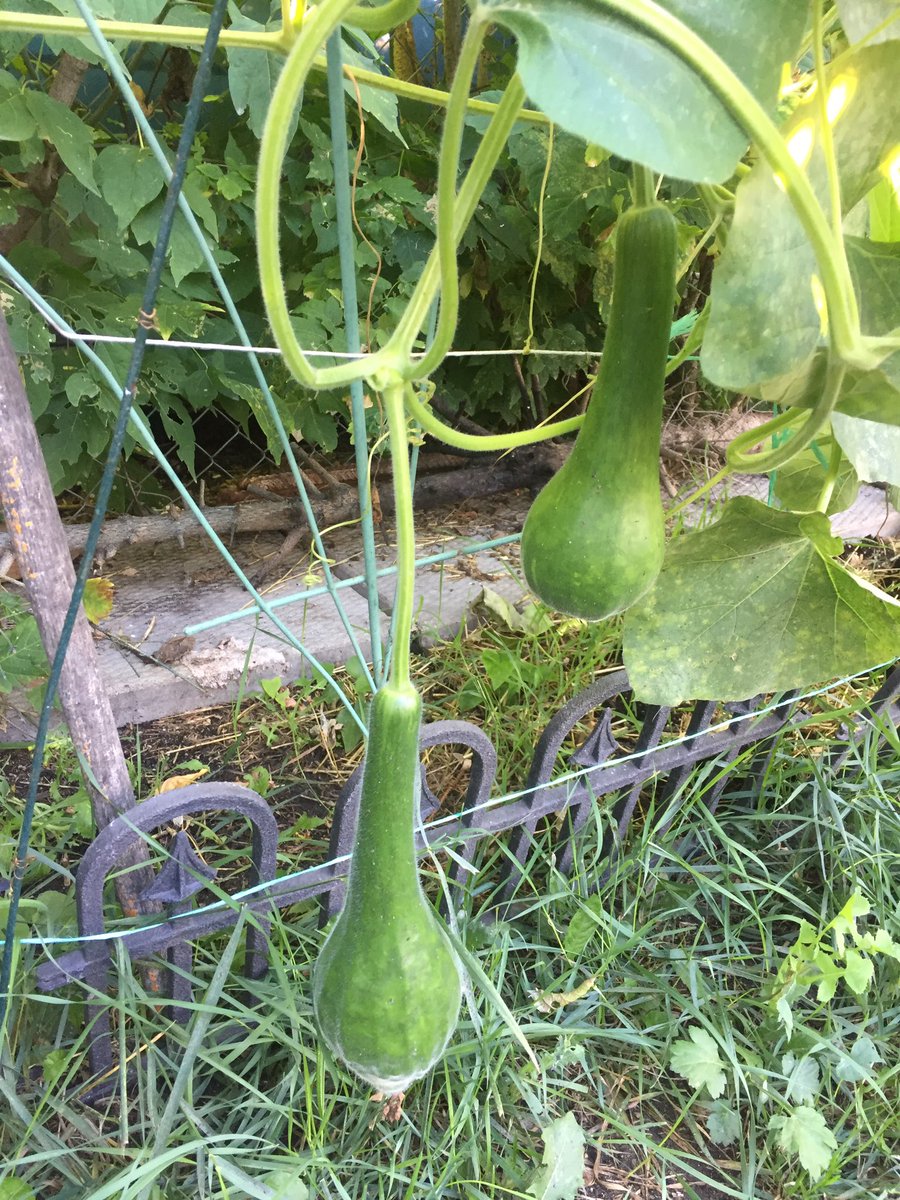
[{"x": 162, "y": 589}]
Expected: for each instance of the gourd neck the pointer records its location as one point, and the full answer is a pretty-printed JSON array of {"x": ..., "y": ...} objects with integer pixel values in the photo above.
[
  {"x": 625, "y": 411},
  {"x": 388, "y": 807}
]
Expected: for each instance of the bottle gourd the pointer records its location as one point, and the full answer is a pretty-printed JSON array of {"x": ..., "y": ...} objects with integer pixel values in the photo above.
[
  {"x": 594, "y": 538},
  {"x": 387, "y": 983}
]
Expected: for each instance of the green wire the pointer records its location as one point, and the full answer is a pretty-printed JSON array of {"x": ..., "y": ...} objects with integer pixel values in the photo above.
[
  {"x": 347, "y": 255},
  {"x": 104, "y": 490}
]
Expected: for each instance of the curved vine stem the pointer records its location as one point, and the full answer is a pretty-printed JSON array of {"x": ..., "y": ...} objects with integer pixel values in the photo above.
[
  {"x": 659, "y": 24},
  {"x": 379, "y": 19},
  {"x": 834, "y": 468},
  {"x": 538, "y": 254},
  {"x": 811, "y": 423},
  {"x": 448, "y": 168},
  {"x": 273, "y": 147},
  {"x": 486, "y": 156},
  {"x": 485, "y": 442}
]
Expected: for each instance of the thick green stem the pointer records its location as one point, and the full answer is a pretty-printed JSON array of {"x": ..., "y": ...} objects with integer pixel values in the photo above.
[
  {"x": 811, "y": 422},
  {"x": 273, "y": 147},
  {"x": 485, "y": 442},
  {"x": 834, "y": 468},
  {"x": 276, "y": 40},
  {"x": 139, "y": 31},
  {"x": 406, "y": 536},
  {"x": 433, "y": 96},
  {"x": 831, "y": 168},
  {"x": 643, "y": 189},
  {"x": 489, "y": 150},
  {"x": 448, "y": 169}
]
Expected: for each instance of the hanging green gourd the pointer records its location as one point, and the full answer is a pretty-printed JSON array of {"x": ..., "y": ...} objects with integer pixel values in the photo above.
[
  {"x": 594, "y": 538},
  {"x": 387, "y": 984}
]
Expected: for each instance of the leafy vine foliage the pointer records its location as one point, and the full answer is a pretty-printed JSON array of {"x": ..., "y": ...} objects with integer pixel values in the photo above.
[
  {"x": 794, "y": 188},
  {"x": 80, "y": 199}
]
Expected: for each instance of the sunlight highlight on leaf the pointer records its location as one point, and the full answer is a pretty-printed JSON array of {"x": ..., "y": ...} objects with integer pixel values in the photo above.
[
  {"x": 839, "y": 96},
  {"x": 800, "y": 143},
  {"x": 818, "y": 293}
]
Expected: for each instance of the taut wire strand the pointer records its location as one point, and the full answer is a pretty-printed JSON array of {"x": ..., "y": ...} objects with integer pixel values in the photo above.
[{"x": 491, "y": 803}]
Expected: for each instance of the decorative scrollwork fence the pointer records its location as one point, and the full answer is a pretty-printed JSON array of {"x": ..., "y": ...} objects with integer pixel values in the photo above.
[{"x": 593, "y": 771}]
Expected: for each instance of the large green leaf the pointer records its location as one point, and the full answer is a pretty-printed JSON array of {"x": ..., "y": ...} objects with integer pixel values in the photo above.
[
  {"x": 764, "y": 321},
  {"x": 16, "y": 121},
  {"x": 251, "y": 74},
  {"x": 377, "y": 103},
  {"x": 884, "y": 211},
  {"x": 67, "y": 133},
  {"x": 129, "y": 178},
  {"x": 599, "y": 76},
  {"x": 183, "y": 253},
  {"x": 696, "y": 1058},
  {"x": 869, "y": 395},
  {"x": 804, "y": 1132},
  {"x": 755, "y": 603},
  {"x": 799, "y": 482},
  {"x": 873, "y": 448}
]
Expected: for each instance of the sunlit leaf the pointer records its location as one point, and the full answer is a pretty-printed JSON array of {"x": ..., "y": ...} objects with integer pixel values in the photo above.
[
  {"x": 764, "y": 319},
  {"x": 599, "y": 76},
  {"x": 859, "y": 972},
  {"x": 98, "y": 599},
  {"x": 179, "y": 781},
  {"x": 884, "y": 209},
  {"x": 802, "y": 1077}
]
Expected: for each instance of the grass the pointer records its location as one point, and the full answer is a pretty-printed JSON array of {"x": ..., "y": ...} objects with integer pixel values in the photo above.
[{"x": 638, "y": 1001}]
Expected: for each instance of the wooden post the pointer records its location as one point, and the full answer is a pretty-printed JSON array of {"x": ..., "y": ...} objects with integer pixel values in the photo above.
[{"x": 39, "y": 542}]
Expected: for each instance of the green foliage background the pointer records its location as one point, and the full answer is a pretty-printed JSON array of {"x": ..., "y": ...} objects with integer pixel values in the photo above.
[{"x": 89, "y": 243}]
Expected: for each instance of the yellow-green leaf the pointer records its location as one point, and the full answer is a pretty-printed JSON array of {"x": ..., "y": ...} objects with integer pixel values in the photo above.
[{"x": 98, "y": 599}]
